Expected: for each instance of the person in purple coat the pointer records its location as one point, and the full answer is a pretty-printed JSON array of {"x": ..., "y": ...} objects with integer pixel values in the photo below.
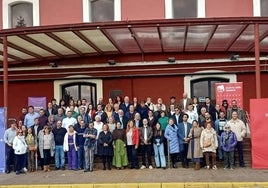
[{"x": 228, "y": 142}]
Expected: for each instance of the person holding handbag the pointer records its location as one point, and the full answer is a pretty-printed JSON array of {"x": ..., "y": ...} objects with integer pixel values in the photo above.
[{"x": 209, "y": 145}]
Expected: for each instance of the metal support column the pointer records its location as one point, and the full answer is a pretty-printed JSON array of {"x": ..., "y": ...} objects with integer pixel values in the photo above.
[
  {"x": 257, "y": 61},
  {"x": 5, "y": 74}
]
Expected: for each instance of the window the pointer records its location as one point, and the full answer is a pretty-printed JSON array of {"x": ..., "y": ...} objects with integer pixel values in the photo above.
[
  {"x": 21, "y": 15},
  {"x": 101, "y": 10},
  {"x": 204, "y": 87},
  {"x": 80, "y": 90},
  {"x": 264, "y": 7},
  {"x": 184, "y": 8}
]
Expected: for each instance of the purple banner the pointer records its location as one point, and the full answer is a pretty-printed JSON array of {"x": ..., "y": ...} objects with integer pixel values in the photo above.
[
  {"x": 2, "y": 142},
  {"x": 37, "y": 102}
]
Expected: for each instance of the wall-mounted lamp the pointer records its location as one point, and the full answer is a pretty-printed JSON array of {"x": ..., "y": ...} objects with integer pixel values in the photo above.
[
  {"x": 234, "y": 57},
  {"x": 53, "y": 64},
  {"x": 171, "y": 60},
  {"x": 111, "y": 62}
]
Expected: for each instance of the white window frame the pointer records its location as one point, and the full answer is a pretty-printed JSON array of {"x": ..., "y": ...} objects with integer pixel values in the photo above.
[
  {"x": 256, "y": 8},
  {"x": 86, "y": 10},
  {"x": 6, "y": 9},
  {"x": 59, "y": 83},
  {"x": 187, "y": 79},
  {"x": 201, "y": 9}
]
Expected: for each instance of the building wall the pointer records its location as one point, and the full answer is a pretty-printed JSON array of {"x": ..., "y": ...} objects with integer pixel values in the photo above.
[
  {"x": 142, "y": 9},
  {"x": 144, "y": 87},
  {"x": 141, "y": 87},
  {"x": 18, "y": 93},
  {"x": 60, "y": 12},
  {"x": 229, "y": 8}
]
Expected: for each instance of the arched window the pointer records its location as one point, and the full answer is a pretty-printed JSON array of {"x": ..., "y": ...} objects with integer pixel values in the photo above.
[
  {"x": 205, "y": 87},
  {"x": 80, "y": 90},
  {"x": 21, "y": 15}
]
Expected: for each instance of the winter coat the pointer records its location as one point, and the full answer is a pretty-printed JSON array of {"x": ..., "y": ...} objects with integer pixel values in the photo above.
[
  {"x": 41, "y": 144},
  {"x": 171, "y": 135},
  {"x": 209, "y": 135},
  {"x": 228, "y": 141},
  {"x": 195, "y": 139},
  {"x": 19, "y": 145},
  {"x": 108, "y": 139}
]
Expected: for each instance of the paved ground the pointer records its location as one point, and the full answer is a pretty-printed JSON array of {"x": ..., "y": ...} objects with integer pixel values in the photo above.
[{"x": 136, "y": 176}]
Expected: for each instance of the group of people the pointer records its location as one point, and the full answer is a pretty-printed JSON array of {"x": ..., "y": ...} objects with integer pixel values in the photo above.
[{"x": 121, "y": 129}]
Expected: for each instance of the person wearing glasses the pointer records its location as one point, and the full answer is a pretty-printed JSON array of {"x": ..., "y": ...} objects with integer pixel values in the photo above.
[{"x": 20, "y": 149}]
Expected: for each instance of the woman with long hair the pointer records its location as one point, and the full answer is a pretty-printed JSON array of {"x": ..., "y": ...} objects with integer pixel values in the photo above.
[{"x": 133, "y": 140}]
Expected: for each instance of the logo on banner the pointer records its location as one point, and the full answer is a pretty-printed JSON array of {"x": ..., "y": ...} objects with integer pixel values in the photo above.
[
  {"x": 220, "y": 88},
  {"x": 229, "y": 92},
  {"x": 37, "y": 102}
]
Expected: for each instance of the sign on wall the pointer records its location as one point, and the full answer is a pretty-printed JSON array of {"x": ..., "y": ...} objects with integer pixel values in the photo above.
[
  {"x": 259, "y": 132},
  {"x": 2, "y": 142},
  {"x": 37, "y": 102},
  {"x": 229, "y": 92}
]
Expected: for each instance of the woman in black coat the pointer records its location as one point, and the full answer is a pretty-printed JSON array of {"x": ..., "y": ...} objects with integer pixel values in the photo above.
[{"x": 105, "y": 149}]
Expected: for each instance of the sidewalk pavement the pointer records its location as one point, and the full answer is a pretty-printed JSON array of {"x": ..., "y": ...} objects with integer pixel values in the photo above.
[{"x": 135, "y": 176}]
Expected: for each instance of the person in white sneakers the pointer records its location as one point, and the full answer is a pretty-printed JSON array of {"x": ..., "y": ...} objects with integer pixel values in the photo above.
[{"x": 146, "y": 135}]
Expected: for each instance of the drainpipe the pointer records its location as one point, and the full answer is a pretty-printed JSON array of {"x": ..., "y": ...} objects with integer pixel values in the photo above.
[{"x": 257, "y": 61}]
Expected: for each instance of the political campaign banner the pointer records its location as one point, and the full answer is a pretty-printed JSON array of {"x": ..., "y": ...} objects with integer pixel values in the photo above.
[
  {"x": 2, "y": 142},
  {"x": 259, "y": 132},
  {"x": 37, "y": 102},
  {"x": 229, "y": 92}
]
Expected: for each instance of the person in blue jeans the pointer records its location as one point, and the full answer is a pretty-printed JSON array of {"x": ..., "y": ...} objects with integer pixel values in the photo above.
[
  {"x": 80, "y": 143},
  {"x": 158, "y": 144},
  {"x": 59, "y": 133}
]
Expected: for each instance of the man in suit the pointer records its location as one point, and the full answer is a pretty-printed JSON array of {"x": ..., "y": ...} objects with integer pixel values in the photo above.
[
  {"x": 183, "y": 132},
  {"x": 177, "y": 117},
  {"x": 122, "y": 119},
  {"x": 185, "y": 101},
  {"x": 146, "y": 135},
  {"x": 210, "y": 108}
]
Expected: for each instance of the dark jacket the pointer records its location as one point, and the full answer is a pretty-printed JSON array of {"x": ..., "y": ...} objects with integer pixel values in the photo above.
[
  {"x": 59, "y": 135},
  {"x": 108, "y": 139}
]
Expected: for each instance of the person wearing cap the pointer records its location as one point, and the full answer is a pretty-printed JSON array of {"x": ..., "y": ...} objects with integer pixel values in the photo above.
[{"x": 228, "y": 142}]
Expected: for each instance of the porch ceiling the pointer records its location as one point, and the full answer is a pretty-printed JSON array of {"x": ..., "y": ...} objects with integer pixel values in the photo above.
[{"x": 42, "y": 43}]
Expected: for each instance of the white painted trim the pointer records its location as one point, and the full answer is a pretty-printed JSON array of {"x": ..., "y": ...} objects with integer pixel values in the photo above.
[
  {"x": 201, "y": 8},
  {"x": 256, "y": 7},
  {"x": 168, "y": 9},
  {"x": 87, "y": 9},
  {"x": 117, "y": 10},
  {"x": 6, "y": 11},
  {"x": 187, "y": 79},
  {"x": 59, "y": 83}
]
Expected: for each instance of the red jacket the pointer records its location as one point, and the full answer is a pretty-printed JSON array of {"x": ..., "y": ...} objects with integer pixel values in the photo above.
[{"x": 135, "y": 136}]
